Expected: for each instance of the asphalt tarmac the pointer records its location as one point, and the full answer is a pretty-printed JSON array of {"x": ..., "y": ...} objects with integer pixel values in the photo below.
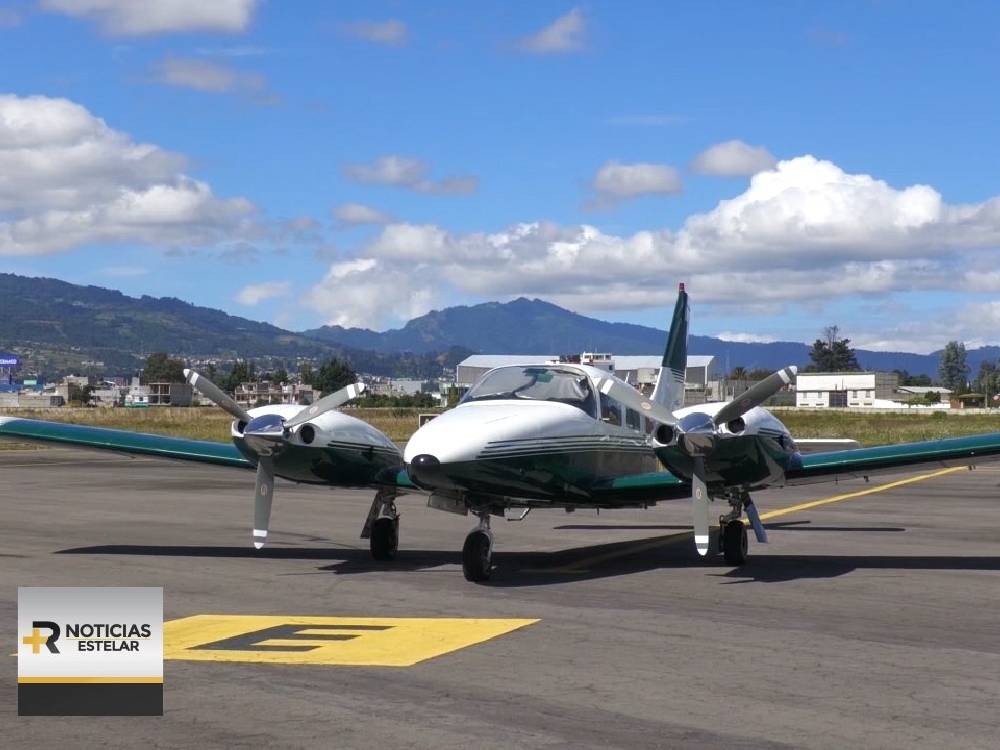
[{"x": 870, "y": 621}]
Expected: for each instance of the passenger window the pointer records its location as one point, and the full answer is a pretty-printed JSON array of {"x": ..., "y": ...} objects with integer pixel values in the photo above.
[
  {"x": 610, "y": 411},
  {"x": 633, "y": 420}
]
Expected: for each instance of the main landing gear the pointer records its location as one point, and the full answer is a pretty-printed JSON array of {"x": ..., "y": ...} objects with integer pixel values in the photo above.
[
  {"x": 477, "y": 553},
  {"x": 733, "y": 541},
  {"x": 382, "y": 526}
]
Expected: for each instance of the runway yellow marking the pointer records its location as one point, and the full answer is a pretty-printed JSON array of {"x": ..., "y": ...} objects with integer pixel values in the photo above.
[
  {"x": 329, "y": 641},
  {"x": 860, "y": 493},
  {"x": 582, "y": 566}
]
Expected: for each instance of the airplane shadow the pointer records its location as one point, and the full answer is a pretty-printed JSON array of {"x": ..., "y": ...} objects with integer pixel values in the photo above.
[
  {"x": 782, "y": 525},
  {"x": 784, "y": 568},
  {"x": 528, "y": 569}
]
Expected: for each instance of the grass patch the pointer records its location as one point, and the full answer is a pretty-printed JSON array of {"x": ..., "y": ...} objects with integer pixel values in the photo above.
[
  {"x": 205, "y": 423},
  {"x": 400, "y": 423},
  {"x": 885, "y": 429}
]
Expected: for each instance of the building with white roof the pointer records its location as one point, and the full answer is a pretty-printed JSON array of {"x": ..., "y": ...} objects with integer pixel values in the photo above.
[{"x": 639, "y": 370}]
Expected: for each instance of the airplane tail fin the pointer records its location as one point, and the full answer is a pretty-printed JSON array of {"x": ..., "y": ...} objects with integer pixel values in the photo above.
[{"x": 669, "y": 389}]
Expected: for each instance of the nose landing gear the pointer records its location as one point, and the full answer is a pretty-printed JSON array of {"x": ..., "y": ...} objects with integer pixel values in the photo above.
[
  {"x": 382, "y": 526},
  {"x": 733, "y": 532},
  {"x": 477, "y": 553}
]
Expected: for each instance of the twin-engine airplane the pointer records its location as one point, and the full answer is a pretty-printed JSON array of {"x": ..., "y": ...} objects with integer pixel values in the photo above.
[{"x": 560, "y": 435}]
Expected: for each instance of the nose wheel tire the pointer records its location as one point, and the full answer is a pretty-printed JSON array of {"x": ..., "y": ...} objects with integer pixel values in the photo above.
[
  {"x": 384, "y": 540},
  {"x": 734, "y": 543},
  {"x": 477, "y": 556}
]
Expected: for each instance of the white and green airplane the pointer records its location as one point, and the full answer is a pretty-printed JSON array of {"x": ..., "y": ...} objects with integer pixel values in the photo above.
[{"x": 559, "y": 435}]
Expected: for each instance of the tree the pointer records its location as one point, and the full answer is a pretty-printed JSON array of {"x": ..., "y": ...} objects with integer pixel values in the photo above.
[
  {"x": 832, "y": 353},
  {"x": 952, "y": 368},
  {"x": 81, "y": 395},
  {"x": 243, "y": 371},
  {"x": 306, "y": 374},
  {"x": 333, "y": 375},
  {"x": 160, "y": 368},
  {"x": 279, "y": 376},
  {"x": 738, "y": 373},
  {"x": 988, "y": 380}
]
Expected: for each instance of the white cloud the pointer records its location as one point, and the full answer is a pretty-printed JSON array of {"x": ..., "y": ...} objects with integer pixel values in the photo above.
[
  {"x": 392, "y": 33},
  {"x": 138, "y": 17},
  {"x": 364, "y": 293},
  {"x": 744, "y": 338},
  {"x": 206, "y": 76},
  {"x": 357, "y": 214},
  {"x": 67, "y": 179},
  {"x": 568, "y": 33},
  {"x": 616, "y": 181},
  {"x": 805, "y": 231},
  {"x": 733, "y": 159},
  {"x": 410, "y": 173},
  {"x": 254, "y": 294}
]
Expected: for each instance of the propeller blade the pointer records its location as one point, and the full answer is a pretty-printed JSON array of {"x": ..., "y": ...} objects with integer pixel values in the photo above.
[
  {"x": 211, "y": 391},
  {"x": 629, "y": 396},
  {"x": 699, "y": 506},
  {"x": 326, "y": 403},
  {"x": 758, "y": 528},
  {"x": 757, "y": 395},
  {"x": 263, "y": 493}
]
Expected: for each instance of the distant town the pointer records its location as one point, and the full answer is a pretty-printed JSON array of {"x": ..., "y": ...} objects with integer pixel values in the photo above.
[{"x": 832, "y": 380}]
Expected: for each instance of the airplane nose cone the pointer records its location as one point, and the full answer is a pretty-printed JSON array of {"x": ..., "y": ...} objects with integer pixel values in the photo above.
[{"x": 425, "y": 471}]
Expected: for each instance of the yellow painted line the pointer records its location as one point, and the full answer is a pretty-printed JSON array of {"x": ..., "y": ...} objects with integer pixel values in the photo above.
[
  {"x": 90, "y": 680},
  {"x": 361, "y": 641},
  {"x": 582, "y": 566},
  {"x": 860, "y": 493}
]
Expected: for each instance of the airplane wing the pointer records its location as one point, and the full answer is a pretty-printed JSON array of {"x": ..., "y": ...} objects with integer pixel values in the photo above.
[
  {"x": 884, "y": 459},
  {"x": 642, "y": 488},
  {"x": 123, "y": 441}
]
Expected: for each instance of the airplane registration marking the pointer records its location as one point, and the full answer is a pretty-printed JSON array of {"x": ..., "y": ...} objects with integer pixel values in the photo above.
[
  {"x": 327, "y": 641},
  {"x": 582, "y": 566}
]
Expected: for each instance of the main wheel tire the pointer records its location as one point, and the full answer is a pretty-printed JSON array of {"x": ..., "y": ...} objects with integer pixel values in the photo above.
[
  {"x": 384, "y": 539},
  {"x": 734, "y": 543},
  {"x": 477, "y": 557}
]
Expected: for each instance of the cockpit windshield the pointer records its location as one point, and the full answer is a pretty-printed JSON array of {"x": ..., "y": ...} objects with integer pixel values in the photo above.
[{"x": 535, "y": 384}]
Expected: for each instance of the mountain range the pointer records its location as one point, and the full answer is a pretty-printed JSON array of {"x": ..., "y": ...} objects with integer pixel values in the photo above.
[
  {"x": 533, "y": 326},
  {"x": 61, "y": 321}
]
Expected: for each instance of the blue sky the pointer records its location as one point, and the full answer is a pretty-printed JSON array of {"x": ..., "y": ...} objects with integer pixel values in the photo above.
[{"x": 573, "y": 152}]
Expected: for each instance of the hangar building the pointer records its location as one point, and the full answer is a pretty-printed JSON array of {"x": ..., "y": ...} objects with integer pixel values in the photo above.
[{"x": 826, "y": 389}]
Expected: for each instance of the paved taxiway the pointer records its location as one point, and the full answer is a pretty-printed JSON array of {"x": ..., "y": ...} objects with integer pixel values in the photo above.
[{"x": 871, "y": 622}]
